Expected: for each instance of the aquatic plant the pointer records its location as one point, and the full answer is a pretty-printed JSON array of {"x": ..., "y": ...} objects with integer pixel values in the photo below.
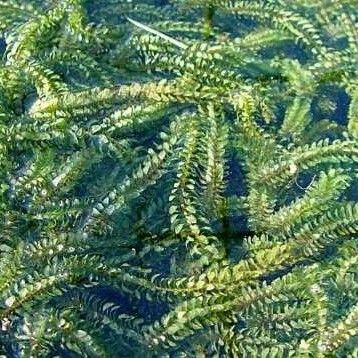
[{"x": 178, "y": 179}]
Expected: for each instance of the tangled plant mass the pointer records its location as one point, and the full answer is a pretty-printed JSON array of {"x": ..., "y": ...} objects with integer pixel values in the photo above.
[{"x": 178, "y": 178}]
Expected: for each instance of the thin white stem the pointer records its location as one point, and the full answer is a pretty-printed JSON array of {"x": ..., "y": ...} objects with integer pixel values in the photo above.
[{"x": 158, "y": 33}]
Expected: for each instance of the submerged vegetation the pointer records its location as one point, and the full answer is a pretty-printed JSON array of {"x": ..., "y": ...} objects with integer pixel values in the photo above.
[{"x": 178, "y": 178}]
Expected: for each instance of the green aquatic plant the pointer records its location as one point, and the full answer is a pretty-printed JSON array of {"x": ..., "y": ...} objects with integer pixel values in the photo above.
[{"x": 178, "y": 179}]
